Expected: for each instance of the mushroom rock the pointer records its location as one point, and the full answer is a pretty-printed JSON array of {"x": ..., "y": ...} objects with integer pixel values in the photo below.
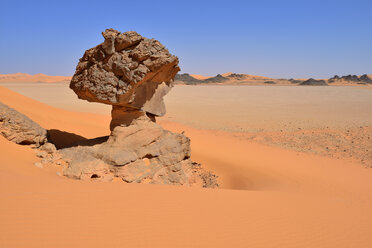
[
  {"x": 132, "y": 73},
  {"x": 126, "y": 71}
]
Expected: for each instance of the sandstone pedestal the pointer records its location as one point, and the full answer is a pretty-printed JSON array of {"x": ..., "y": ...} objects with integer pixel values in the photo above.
[{"x": 133, "y": 74}]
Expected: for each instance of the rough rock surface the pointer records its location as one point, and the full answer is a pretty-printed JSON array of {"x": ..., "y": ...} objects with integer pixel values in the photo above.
[
  {"x": 126, "y": 70},
  {"x": 142, "y": 152},
  {"x": 20, "y": 129}
]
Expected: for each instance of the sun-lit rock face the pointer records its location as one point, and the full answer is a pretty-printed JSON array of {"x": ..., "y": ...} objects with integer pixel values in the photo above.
[
  {"x": 126, "y": 70},
  {"x": 20, "y": 129}
]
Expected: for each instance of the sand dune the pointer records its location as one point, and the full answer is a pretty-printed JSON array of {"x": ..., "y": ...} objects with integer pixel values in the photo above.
[
  {"x": 24, "y": 77},
  {"x": 200, "y": 77},
  {"x": 270, "y": 197}
]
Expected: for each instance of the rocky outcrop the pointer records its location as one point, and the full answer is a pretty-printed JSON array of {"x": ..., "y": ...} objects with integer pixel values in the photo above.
[
  {"x": 314, "y": 82},
  {"x": 217, "y": 79},
  {"x": 364, "y": 79},
  {"x": 142, "y": 152},
  {"x": 295, "y": 81},
  {"x": 226, "y": 78},
  {"x": 187, "y": 79},
  {"x": 126, "y": 70},
  {"x": 131, "y": 73},
  {"x": 20, "y": 129}
]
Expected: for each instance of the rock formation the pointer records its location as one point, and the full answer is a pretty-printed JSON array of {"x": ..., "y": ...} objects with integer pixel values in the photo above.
[
  {"x": 364, "y": 79},
  {"x": 142, "y": 152},
  {"x": 217, "y": 79},
  {"x": 131, "y": 73},
  {"x": 294, "y": 81},
  {"x": 187, "y": 79},
  {"x": 226, "y": 78},
  {"x": 20, "y": 129},
  {"x": 128, "y": 71},
  {"x": 314, "y": 82}
]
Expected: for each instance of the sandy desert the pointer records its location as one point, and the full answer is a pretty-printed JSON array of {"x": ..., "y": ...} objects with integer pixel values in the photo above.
[
  {"x": 279, "y": 185},
  {"x": 186, "y": 124}
]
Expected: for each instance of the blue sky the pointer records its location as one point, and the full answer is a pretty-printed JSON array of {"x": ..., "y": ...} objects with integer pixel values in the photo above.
[{"x": 262, "y": 37}]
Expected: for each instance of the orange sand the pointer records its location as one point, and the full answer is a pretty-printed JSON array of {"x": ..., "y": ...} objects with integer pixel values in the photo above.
[
  {"x": 200, "y": 77},
  {"x": 55, "y": 118},
  {"x": 281, "y": 198},
  {"x": 24, "y": 77}
]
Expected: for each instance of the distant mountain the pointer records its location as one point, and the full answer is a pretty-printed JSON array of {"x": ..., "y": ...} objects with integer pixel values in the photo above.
[
  {"x": 217, "y": 79},
  {"x": 27, "y": 78},
  {"x": 187, "y": 78},
  {"x": 231, "y": 78},
  {"x": 314, "y": 82},
  {"x": 364, "y": 79},
  {"x": 226, "y": 78}
]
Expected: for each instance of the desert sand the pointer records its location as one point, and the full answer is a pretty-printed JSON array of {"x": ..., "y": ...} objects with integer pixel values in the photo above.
[
  {"x": 269, "y": 196},
  {"x": 319, "y": 120},
  {"x": 197, "y": 76},
  {"x": 40, "y": 77}
]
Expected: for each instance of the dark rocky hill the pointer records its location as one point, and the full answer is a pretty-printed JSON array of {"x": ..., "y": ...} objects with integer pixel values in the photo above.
[
  {"x": 364, "y": 79},
  {"x": 314, "y": 82}
]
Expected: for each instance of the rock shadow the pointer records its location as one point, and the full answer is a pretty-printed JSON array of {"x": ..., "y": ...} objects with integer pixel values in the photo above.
[{"x": 63, "y": 139}]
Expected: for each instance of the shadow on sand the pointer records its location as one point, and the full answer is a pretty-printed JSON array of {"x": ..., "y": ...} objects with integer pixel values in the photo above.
[{"x": 62, "y": 139}]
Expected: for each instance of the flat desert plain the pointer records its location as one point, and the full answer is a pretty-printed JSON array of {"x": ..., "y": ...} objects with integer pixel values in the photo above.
[{"x": 292, "y": 165}]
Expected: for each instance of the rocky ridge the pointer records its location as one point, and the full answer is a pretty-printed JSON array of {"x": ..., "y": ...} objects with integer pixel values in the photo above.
[
  {"x": 314, "y": 82},
  {"x": 364, "y": 79},
  {"x": 186, "y": 78}
]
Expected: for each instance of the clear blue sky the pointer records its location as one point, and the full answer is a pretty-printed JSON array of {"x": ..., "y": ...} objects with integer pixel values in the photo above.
[{"x": 264, "y": 37}]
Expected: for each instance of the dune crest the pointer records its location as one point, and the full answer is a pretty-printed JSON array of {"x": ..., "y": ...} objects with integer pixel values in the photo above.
[{"x": 37, "y": 78}]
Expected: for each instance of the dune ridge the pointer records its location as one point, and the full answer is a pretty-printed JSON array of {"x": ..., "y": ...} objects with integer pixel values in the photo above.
[{"x": 37, "y": 78}]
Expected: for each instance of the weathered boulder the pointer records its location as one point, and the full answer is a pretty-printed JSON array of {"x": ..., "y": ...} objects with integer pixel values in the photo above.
[
  {"x": 20, "y": 129},
  {"x": 126, "y": 70}
]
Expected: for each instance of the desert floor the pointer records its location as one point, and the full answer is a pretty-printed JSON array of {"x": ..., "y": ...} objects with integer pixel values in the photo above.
[{"x": 291, "y": 163}]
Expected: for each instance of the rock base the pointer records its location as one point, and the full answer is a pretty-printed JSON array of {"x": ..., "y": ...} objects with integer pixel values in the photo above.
[{"x": 142, "y": 152}]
